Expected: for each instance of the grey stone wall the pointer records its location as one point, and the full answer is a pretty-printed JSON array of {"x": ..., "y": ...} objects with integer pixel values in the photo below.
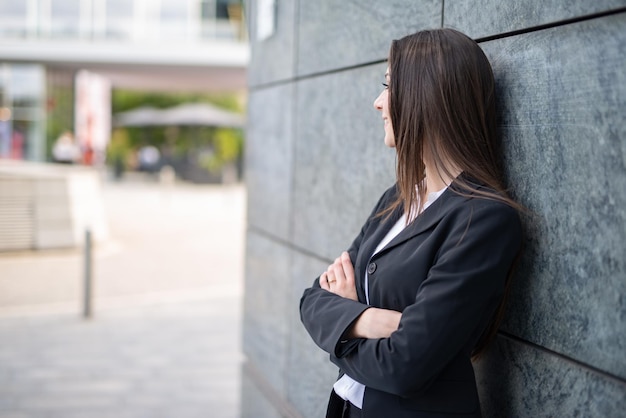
[{"x": 316, "y": 165}]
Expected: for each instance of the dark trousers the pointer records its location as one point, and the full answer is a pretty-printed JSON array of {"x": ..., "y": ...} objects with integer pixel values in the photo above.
[{"x": 338, "y": 408}]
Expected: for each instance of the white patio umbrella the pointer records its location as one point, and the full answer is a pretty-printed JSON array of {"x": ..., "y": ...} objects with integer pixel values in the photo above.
[{"x": 192, "y": 114}]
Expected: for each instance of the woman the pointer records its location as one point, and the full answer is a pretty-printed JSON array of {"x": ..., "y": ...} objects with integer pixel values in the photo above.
[{"x": 420, "y": 291}]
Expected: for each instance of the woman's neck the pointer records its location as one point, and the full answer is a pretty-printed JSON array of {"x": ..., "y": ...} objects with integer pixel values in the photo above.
[{"x": 436, "y": 180}]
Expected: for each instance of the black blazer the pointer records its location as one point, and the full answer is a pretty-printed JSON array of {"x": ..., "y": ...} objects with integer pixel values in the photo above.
[{"x": 446, "y": 273}]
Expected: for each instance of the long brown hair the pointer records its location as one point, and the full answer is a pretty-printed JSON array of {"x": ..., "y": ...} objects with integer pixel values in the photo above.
[{"x": 442, "y": 104}]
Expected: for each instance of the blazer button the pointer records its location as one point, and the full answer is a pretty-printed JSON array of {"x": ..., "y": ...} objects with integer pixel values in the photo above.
[{"x": 371, "y": 268}]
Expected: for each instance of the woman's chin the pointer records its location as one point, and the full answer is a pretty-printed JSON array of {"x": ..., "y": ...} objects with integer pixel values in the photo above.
[{"x": 390, "y": 142}]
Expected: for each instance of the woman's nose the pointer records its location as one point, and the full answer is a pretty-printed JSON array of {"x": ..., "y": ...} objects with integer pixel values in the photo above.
[{"x": 378, "y": 104}]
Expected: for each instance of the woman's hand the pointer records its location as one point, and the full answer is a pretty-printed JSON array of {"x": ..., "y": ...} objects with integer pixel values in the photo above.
[
  {"x": 339, "y": 278},
  {"x": 375, "y": 323}
]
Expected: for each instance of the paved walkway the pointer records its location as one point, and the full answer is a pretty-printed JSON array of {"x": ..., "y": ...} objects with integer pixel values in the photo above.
[{"x": 165, "y": 337}]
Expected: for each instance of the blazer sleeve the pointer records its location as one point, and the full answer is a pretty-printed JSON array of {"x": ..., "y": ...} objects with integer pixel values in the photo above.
[
  {"x": 325, "y": 315},
  {"x": 452, "y": 306}
]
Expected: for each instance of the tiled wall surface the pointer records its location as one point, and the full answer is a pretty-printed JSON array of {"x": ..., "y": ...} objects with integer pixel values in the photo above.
[{"x": 316, "y": 165}]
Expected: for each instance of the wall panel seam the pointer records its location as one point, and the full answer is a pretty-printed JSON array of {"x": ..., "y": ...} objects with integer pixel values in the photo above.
[
  {"x": 281, "y": 405},
  {"x": 443, "y": 8},
  {"x": 293, "y": 131},
  {"x": 314, "y": 75},
  {"x": 502, "y": 35},
  {"x": 294, "y": 126},
  {"x": 551, "y": 25},
  {"x": 287, "y": 244},
  {"x": 296, "y": 36},
  {"x": 561, "y": 356},
  {"x": 270, "y": 84}
]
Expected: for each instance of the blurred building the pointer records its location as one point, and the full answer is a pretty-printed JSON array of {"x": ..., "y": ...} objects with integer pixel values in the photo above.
[{"x": 59, "y": 60}]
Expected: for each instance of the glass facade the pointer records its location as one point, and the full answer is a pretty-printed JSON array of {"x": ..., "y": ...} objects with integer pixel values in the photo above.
[
  {"x": 127, "y": 20},
  {"x": 22, "y": 111}
]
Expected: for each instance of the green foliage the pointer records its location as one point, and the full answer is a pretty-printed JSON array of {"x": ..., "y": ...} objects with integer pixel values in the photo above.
[
  {"x": 123, "y": 100},
  {"x": 228, "y": 144},
  {"x": 60, "y": 110},
  {"x": 227, "y": 147},
  {"x": 119, "y": 150}
]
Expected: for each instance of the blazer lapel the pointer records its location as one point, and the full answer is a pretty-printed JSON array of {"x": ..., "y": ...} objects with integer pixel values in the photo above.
[{"x": 424, "y": 221}]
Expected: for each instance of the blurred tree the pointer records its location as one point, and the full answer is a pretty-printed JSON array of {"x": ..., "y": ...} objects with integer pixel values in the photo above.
[
  {"x": 206, "y": 147},
  {"x": 123, "y": 100},
  {"x": 228, "y": 147},
  {"x": 119, "y": 152},
  {"x": 59, "y": 107}
]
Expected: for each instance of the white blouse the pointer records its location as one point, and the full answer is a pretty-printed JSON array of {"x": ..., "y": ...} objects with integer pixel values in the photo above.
[{"x": 346, "y": 387}]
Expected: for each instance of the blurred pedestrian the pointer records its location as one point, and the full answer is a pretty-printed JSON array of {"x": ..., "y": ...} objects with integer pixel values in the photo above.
[
  {"x": 149, "y": 157},
  {"x": 65, "y": 150}
]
